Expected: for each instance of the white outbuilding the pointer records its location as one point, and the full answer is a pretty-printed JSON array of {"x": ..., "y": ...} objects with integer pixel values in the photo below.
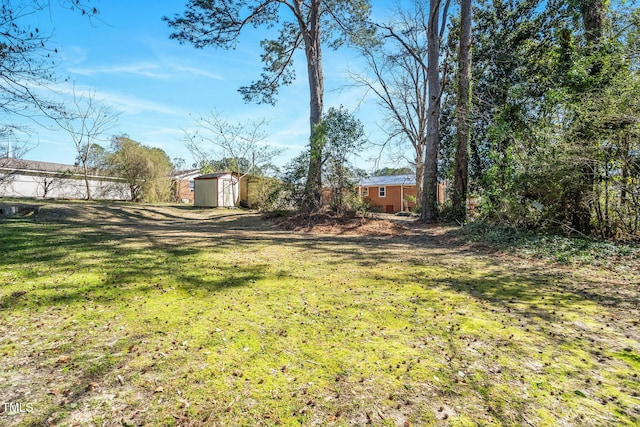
[{"x": 217, "y": 190}]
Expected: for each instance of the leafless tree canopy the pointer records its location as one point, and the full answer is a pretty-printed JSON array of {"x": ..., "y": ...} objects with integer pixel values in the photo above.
[
  {"x": 27, "y": 57},
  {"x": 398, "y": 74},
  {"x": 238, "y": 146},
  {"x": 87, "y": 121}
]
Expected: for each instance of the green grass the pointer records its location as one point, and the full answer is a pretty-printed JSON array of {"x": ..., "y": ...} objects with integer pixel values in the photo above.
[{"x": 220, "y": 319}]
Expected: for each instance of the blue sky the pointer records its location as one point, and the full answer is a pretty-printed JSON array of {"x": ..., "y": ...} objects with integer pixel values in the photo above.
[{"x": 159, "y": 86}]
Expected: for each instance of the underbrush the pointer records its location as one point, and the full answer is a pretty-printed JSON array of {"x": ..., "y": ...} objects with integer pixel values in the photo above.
[{"x": 557, "y": 248}]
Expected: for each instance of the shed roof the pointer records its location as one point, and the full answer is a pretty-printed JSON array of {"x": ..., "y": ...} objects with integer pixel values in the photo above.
[
  {"x": 213, "y": 175},
  {"x": 377, "y": 181}
]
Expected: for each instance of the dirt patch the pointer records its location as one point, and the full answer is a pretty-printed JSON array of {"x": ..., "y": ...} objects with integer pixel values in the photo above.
[
  {"x": 400, "y": 229},
  {"x": 340, "y": 225}
]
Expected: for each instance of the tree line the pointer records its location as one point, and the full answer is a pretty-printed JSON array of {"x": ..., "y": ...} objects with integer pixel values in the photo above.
[
  {"x": 541, "y": 127},
  {"x": 555, "y": 115},
  {"x": 528, "y": 107}
]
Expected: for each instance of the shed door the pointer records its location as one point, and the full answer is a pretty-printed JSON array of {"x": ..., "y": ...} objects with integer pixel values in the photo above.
[
  {"x": 212, "y": 193},
  {"x": 227, "y": 193},
  {"x": 206, "y": 193}
]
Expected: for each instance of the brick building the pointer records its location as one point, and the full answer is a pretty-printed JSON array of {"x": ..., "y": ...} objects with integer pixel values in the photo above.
[
  {"x": 184, "y": 185},
  {"x": 394, "y": 193}
]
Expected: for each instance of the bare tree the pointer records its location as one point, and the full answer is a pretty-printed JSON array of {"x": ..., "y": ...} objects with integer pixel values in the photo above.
[
  {"x": 14, "y": 141},
  {"x": 417, "y": 37},
  {"x": 27, "y": 68},
  {"x": 398, "y": 77},
  {"x": 49, "y": 182},
  {"x": 27, "y": 59},
  {"x": 238, "y": 146},
  {"x": 429, "y": 212},
  {"x": 87, "y": 121}
]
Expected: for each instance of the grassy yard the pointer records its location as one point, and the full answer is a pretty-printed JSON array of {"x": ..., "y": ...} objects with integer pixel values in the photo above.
[{"x": 128, "y": 315}]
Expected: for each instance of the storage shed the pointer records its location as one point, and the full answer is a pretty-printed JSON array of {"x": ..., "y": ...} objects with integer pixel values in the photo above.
[{"x": 216, "y": 190}]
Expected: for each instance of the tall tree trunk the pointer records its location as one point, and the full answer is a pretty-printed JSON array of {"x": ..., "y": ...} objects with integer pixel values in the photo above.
[
  {"x": 461, "y": 178},
  {"x": 593, "y": 12},
  {"x": 313, "y": 52},
  {"x": 86, "y": 180},
  {"x": 626, "y": 156},
  {"x": 592, "y": 19},
  {"x": 419, "y": 176},
  {"x": 429, "y": 212}
]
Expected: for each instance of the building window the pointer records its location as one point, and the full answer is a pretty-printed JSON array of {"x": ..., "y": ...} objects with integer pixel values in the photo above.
[
  {"x": 365, "y": 192},
  {"x": 382, "y": 191},
  {"x": 192, "y": 185}
]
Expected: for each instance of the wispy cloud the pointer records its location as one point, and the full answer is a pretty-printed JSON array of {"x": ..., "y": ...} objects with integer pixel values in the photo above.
[
  {"x": 160, "y": 71},
  {"x": 175, "y": 133},
  {"x": 121, "y": 102},
  {"x": 199, "y": 72},
  {"x": 134, "y": 105},
  {"x": 293, "y": 134},
  {"x": 73, "y": 55},
  {"x": 145, "y": 69}
]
